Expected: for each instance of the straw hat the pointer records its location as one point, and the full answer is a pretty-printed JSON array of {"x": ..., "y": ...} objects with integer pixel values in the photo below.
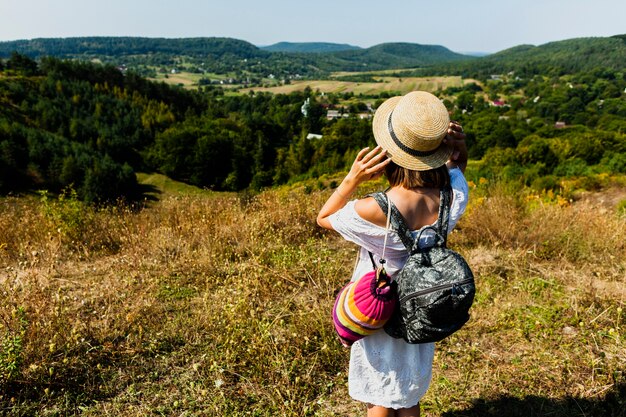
[{"x": 411, "y": 129}]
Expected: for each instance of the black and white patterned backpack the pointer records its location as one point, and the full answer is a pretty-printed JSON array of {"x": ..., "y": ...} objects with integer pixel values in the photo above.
[{"x": 435, "y": 286}]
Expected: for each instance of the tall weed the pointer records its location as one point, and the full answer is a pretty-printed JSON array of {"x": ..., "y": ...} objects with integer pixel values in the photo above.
[{"x": 550, "y": 230}]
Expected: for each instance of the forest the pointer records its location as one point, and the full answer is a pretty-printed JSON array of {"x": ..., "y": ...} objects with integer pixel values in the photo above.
[
  {"x": 92, "y": 127},
  {"x": 559, "y": 58}
]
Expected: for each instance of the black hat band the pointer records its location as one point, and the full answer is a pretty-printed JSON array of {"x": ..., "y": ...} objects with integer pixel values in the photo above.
[{"x": 402, "y": 146}]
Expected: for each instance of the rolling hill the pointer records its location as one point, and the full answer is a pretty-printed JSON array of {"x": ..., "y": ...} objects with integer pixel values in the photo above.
[
  {"x": 397, "y": 55},
  {"x": 571, "y": 54},
  {"x": 129, "y": 46},
  {"x": 567, "y": 56},
  {"x": 308, "y": 47}
]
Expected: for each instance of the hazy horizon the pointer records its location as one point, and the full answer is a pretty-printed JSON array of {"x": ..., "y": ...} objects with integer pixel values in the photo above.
[{"x": 484, "y": 26}]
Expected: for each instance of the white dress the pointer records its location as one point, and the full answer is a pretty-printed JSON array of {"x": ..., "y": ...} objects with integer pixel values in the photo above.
[{"x": 383, "y": 370}]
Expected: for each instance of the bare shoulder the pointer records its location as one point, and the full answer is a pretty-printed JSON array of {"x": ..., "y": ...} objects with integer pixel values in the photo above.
[{"x": 368, "y": 209}]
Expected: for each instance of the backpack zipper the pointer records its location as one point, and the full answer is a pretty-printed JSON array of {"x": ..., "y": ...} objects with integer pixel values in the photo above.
[{"x": 433, "y": 289}]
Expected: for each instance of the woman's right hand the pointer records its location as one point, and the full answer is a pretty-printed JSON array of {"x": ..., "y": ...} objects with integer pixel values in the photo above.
[{"x": 456, "y": 138}]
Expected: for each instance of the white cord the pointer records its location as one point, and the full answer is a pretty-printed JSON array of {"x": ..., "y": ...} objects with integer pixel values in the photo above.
[{"x": 382, "y": 258}]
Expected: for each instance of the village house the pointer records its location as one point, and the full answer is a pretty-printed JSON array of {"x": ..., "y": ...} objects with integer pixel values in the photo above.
[
  {"x": 333, "y": 114},
  {"x": 499, "y": 103}
]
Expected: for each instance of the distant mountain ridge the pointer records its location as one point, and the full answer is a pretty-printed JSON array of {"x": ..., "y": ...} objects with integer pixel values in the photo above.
[
  {"x": 227, "y": 54},
  {"x": 318, "y": 59},
  {"x": 309, "y": 47},
  {"x": 125, "y": 46}
]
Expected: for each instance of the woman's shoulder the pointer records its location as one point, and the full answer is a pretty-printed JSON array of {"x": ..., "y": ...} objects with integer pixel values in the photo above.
[
  {"x": 354, "y": 228},
  {"x": 368, "y": 209},
  {"x": 349, "y": 217}
]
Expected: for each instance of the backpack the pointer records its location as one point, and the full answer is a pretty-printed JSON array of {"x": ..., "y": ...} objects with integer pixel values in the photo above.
[{"x": 435, "y": 286}]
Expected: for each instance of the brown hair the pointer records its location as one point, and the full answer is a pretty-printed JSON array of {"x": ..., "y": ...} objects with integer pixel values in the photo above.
[{"x": 408, "y": 178}]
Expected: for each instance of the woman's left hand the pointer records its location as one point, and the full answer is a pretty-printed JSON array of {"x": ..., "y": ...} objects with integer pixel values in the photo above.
[{"x": 368, "y": 165}]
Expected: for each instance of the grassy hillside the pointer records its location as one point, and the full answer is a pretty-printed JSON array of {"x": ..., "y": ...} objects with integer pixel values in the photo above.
[{"x": 210, "y": 304}]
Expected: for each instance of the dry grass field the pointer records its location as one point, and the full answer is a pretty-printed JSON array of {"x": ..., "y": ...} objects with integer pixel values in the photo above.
[
  {"x": 386, "y": 84},
  {"x": 185, "y": 79},
  {"x": 202, "y": 304}
]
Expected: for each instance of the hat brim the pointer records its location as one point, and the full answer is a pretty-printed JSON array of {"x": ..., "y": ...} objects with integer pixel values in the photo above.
[{"x": 383, "y": 138}]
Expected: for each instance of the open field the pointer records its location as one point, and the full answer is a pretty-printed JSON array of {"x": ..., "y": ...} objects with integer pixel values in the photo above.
[
  {"x": 185, "y": 79},
  {"x": 159, "y": 186},
  {"x": 219, "y": 304},
  {"x": 386, "y": 84},
  {"x": 387, "y": 72}
]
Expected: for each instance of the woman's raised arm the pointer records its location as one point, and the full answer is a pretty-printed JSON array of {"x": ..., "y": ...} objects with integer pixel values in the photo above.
[
  {"x": 368, "y": 165},
  {"x": 456, "y": 138}
]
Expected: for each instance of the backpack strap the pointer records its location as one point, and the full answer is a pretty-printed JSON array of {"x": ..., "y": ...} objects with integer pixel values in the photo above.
[
  {"x": 397, "y": 221},
  {"x": 443, "y": 219},
  {"x": 441, "y": 228}
]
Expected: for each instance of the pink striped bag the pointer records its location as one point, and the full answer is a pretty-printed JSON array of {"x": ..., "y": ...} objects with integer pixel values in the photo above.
[{"x": 365, "y": 305}]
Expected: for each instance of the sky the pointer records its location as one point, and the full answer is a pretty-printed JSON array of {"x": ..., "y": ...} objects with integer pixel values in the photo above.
[{"x": 462, "y": 26}]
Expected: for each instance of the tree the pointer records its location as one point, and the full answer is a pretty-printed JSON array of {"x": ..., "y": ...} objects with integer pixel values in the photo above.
[
  {"x": 13, "y": 156},
  {"x": 21, "y": 64},
  {"x": 106, "y": 181},
  {"x": 465, "y": 101}
]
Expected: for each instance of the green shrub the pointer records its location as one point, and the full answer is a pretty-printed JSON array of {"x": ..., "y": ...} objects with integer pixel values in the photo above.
[
  {"x": 614, "y": 162},
  {"x": 590, "y": 183},
  {"x": 69, "y": 215},
  {"x": 548, "y": 182},
  {"x": 12, "y": 345},
  {"x": 573, "y": 167}
]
